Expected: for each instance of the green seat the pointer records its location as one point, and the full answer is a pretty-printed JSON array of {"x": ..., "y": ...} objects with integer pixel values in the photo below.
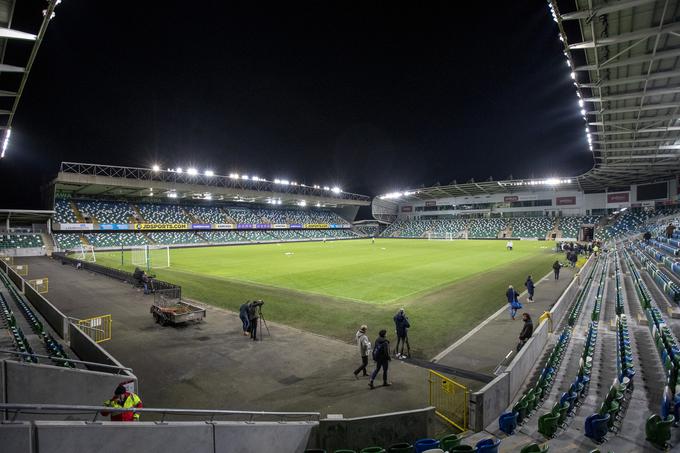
[
  {"x": 345, "y": 451},
  {"x": 531, "y": 400},
  {"x": 521, "y": 409},
  {"x": 535, "y": 448},
  {"x": 447, "y": 442},
  {"x": 461, "y": 448},
  {"x": 373, "y": 450},
  {"x": 562, "y": 411},
  {"x": 403, "y": 447},
  {"x": 547, "y": 424},
  {"x": 658, "y": 431}
]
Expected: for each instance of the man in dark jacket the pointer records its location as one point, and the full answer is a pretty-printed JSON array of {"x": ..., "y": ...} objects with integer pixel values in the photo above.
[
  {"x": 253, "y": 316},
  {"x": 401, "y": 324},
  {"x": 381, "y": 355},
  {"x": 243, "y": 316},
  {"x": 512, "y": 296},
  {"x": 669, "y": 230},
  {"x": 530, "y": 288},
  {"x": 556, "y": 267},
  {"x": 527, "y": 330}
]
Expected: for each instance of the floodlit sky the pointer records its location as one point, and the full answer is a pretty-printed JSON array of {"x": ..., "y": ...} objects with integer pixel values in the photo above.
[{"x": 370, "y": 96}]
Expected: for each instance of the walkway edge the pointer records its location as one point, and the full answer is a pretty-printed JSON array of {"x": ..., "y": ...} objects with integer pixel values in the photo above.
[{"x": 467, "y": 336}]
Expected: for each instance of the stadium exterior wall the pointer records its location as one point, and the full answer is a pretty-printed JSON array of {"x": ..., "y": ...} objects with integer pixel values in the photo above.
[
  {"x": 487, "y": 404},
  {"x": 168, "y": 437}
]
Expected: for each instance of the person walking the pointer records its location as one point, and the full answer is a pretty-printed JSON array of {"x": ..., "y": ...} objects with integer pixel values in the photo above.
[
  {"x": 243, "y": 316},
  {"x": 527, "y": 330},
  {"x": 556, "y": 268},
  {"x": 381, "y": 355},
  {"x": 512, "y": 296},
  {"x": 530, "y": 288},
  {"x": 123, "y": 399},
  {"x": 253, "y": 317},
  {"x": 669, "y": 231},
  {"x": 364, "y": 348},
  {"x": 402, "y": 325}
]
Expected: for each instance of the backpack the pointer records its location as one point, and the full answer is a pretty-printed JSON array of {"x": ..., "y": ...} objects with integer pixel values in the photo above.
[{"x": 378, "y": 351}]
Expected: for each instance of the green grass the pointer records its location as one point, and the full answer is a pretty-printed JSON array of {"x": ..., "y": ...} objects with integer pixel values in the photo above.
[{"x": 331, "y": 288}]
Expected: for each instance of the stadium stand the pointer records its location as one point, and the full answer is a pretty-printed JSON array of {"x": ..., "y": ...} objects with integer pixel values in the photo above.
[
  {"x": 366, "y": 230},
  {"x": 222, "y": 237},
  {"x": 570, "y": 226},
  {"x": 115, "y": 239},
  {"x": 174, "y": 238},
  {"x": 203, "y": 214},
  {"x": 67, "y": 240},
  {"x": 105, "y": 211},
  {"x": 16, "y": 241},
  {"x": 63, "y": 212},
  {"x": 531, "y": 227},
  {"x": 158, "y": 213},
  {"x": 15, "y": 332},
  {"x": 242, "y": 215},
  {"x": 486, "y": 228}
]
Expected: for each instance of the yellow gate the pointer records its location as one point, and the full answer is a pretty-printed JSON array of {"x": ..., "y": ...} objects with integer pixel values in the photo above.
[
  {"x": 97, "y": 328},
  {"x": 21, "y": 269},
  {"x": 40, "y": 284},
  {"x": 7, "y": 259},
  {"x": 450, "y": 399}
]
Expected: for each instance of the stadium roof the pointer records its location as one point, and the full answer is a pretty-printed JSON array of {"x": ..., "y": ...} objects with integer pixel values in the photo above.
[
  {"x": 91, "y": 180},
  {"x": 14, "y": 77},
  {"x": 624, "y": 57},
  {"x": 24, "y": 216}
]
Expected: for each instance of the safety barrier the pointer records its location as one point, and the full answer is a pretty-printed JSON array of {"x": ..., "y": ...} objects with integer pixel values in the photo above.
[
  {"x": 40, "y": 284},
  {"x": 98, "y": 328},
  {"x": 20, "y": 269},
  {"x": 449, "y": 398}
]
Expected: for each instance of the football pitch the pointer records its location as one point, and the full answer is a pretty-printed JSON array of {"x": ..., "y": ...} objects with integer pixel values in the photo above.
[{"x": 331, "y": 288}]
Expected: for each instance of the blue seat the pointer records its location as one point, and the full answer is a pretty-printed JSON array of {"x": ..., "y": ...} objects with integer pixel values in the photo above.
[
  {"x": 597, "y": 426},
  {"x": 488, "y": 445},
  {"x": 507, "y": 422}
]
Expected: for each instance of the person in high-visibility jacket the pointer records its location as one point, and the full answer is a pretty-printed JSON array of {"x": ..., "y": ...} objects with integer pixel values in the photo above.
[{"x": 122, "y": 399}]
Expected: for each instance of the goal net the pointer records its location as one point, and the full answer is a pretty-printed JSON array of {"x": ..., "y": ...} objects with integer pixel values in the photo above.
[
  {"x": 447, "y": 236},
  {"x": 151, "y": 256},
  {"x": 87, "y": 253}
]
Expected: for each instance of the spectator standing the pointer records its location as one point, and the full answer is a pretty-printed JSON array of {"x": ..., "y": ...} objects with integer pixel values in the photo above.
[
  {"x": 512, "y": 296},
  {"x": 402, "y": 325},
  {"x": 253, "y": 316},
  {"x": 123, "y": 399},
  {"x": 381, "y": 355},
  {"x": 243, "y": 316},
  {"x": 647, "y": 236},
  {"x": 508, "y": 245},
  {"x": 364, "y": 348},
  {"x": 527, "y": 330},
  {"x": 530, "y": 288},
  {"x": 556, "y": 268},
  {"x": 669, "y": 230}
]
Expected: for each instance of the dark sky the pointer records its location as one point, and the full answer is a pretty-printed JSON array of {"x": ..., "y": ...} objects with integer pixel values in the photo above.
[{"x": 372, "y": 96}]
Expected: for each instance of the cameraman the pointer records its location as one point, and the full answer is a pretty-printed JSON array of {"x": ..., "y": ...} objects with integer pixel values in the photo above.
[{"x": 253, "y": 316}]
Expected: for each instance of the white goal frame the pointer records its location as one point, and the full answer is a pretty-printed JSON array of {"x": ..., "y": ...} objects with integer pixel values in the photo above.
[
  {"x": 87, "y": 253},
  {"x": 448, "y": 236},
  {"x": 151, "y": 256}
]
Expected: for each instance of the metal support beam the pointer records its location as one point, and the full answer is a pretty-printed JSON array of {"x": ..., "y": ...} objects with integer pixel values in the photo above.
[
  {"x": 609, "y": 8},
  {"x": 625, "y": 37},
  {"x": 16, "y": 34},
  {"x": 634, "y": 94}
]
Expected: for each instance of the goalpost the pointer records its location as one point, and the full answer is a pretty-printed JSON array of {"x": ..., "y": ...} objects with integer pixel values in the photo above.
[
  {"x": 448, "y": 236},
  {"x": 87, "y": 253},
  {"x": 151, "y": 256}
]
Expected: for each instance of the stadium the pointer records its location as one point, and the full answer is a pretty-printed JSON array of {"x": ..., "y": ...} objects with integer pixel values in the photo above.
[{"x": 234, "y": 304}]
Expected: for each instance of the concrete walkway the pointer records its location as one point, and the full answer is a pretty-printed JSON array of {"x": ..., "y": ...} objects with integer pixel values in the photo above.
[
  {"x": 486, "y": 346},
  {"x": 211, "y": 365}
]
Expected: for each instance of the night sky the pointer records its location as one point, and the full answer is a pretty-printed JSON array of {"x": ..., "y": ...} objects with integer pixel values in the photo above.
[{"x": 371, "y": 96}]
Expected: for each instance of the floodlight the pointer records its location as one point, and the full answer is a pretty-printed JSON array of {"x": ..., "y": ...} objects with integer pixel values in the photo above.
[
  {"x": 336, "y": 189},
  {"x": 172, "y": 194},
  {"x": 233, "y": 175},
  {"x": 277, "y": 181},
  {"x": 285, "y": 182},
  {"x": 583, "y": 112},
  {"x": 573, "y": 75},
  {"x": 179, "y": 170},
  {"x": 326, "y": 188},
  {"x": 209, "y": 173},
  {"x": 192, "y": 171},
  {"x": 255, "y": 178},
  {"x": 302, "y": 203},
  {"x": 156, "y": 168},
  {"x": 318, "y": 205},
  {"x": 208, "y": 196},
  {"x": 580, "y": 102},
  {"x": 246, "y": 177}
]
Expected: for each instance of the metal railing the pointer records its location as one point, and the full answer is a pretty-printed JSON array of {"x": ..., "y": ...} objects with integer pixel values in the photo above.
[
  {"x": 98, "y": 327},
  {"x": 60, "y": 359},
  {"x": 206, "y": 414},
  {"x": 450, "y": 399}
]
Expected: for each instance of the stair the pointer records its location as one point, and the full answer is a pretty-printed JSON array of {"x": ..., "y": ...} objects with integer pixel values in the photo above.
[
  {"x": 148, "y": 239},
  {"x": 190, "y": 216},
  {"x": 48, "y": 240},
  {"x": 139, "y": 214},
  {"x": 83, "y": 240},
  {"x": 76, "y": 212}
]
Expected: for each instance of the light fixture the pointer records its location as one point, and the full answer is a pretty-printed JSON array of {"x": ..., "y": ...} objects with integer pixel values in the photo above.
[
  {"x": 336, "y": 189},
  {"x": 156, "y": 168},
  {"x": 179, "y": 170},
  {"x": 233, "y": 175},
  {"x": 209, "y": 173},
  {"x": 192, "y": 171}
]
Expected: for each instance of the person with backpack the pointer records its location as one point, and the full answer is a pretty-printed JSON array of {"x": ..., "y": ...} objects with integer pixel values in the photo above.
[
  {"x": 512, "y": 296},
  {"x": 381, "y": 355},
  {"x": 364, "y": 348},
  {"x": 243, "y": 316},
  {"x": 402, "y": 325},
  {"x": 556, "y": 267}
]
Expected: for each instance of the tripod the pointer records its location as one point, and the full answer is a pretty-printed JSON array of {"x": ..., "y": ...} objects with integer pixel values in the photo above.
[{"x": 262, "y": 321}]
